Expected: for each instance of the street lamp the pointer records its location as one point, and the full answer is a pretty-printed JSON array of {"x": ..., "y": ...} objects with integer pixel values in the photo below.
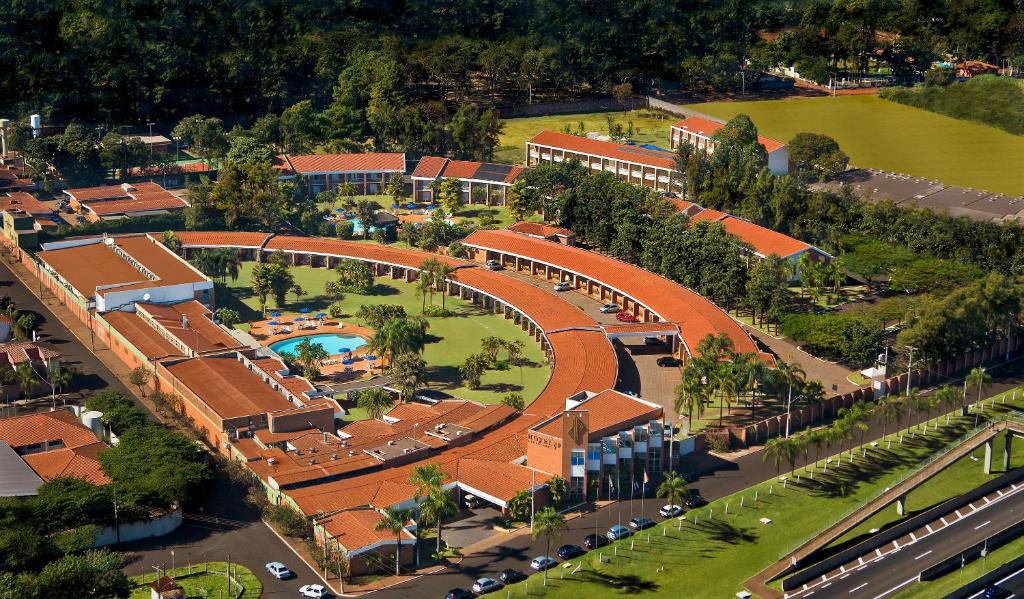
[{"x": 789, "y": 403}]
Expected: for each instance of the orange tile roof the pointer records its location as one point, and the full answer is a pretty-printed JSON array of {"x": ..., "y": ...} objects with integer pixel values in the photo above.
[
  {"x": 145, "y": 338},
  {"x": 540, "y": 229},
  {"x": 228, "y": 387},
  {"x": 16, "y": 352},
  {"x": 86, "y": 267},
  {"x": 501, "y": 480},
  {"x": 340, "y": 163},
  {"x": 297, "y": 385},
  {"x": 101, "y": 192},
  {"x": 130, "y": 206},
  {"x": 21, "y": 200},
  {"x": 697, "y": 317},
  {"x": 549, "y": 312},
  {"x": 202, "y": 335},
  {"x": 707, "y": 127},
  {"x": 46, "y": 426},
  {"x": 609, "y": 412},
  {"x": 606, "y": 149},
  {"x": 763, "y": 240},
  {"x": 355, "y": 530},
  {"x": 73, "y": 463},
  {"x": 354, "y": 249},
  {"x": 638, "y": 327},
  {"x": 233, "y": 239},
  {"x": 429, "y": 167},
  {"x": 708, "y": 214}
]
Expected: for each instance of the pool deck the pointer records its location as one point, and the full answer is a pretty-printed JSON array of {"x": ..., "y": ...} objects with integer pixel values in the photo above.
[{"x": 332, "y": 368}]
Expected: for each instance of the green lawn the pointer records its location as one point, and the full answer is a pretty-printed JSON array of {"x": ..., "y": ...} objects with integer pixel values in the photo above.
[
  {"x": 715, "y": 556},
  {"x": 208, "y": 581},
  {"x": 650, "y": 128},
  {"x": 453, "y": 338},
  {"x": 889, "y": 136}
]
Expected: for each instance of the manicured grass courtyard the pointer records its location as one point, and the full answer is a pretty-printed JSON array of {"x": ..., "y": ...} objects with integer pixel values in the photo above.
[
  {"x": 889, "y": 136},
  {"x": 451, "y": 339},
  {"x": 728, "y": 544},
  {"x": 208, "y": 581},
  {"x": 650, "y": 128}
]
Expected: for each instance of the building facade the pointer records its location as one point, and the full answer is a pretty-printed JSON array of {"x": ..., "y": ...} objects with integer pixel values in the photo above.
[
  {"x": 369, "y": 173},
  {"x": 634, "y": 164},
  {"x": 479, "y": 182},
  {"x": 698, "y": 131}
]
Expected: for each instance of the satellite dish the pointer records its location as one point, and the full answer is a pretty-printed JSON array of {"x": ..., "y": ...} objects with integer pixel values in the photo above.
[{"x": 145, "y": 297}]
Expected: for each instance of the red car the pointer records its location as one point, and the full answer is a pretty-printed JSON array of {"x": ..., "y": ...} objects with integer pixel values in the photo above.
[{"x": 625, "y": 317}]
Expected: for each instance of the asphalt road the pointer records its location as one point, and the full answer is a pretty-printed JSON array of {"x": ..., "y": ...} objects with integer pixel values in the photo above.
[
  {"x": 885, "y": 575},
  {"x": 1013, "y": 583}
]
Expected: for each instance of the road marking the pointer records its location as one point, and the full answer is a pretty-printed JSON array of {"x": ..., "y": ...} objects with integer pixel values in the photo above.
[
  {"x": 843, "y": 576},
  {"x": 986, "y": 522},
  {"x": 855, "y": 589},
  {"x": 923, "y": 554},
  {"x": 824, "y": 578},
  {"x": 1000, "y": 491},
  {"x": 842, "y": 568},
  {"x": 860, "y": 560},
  {"x": 973, "y": 509},
  {"x": 828, "y": 584},
  {"x": 987, "y": 500},
  {"x": 913, "y": 537},
  {"x": 944, "y": 523},
  {"x": 862, "y": 567},
  {"x": 809, "y": 594},
  {"x": 929, "y": 527},
  {"x": 878, "y": 552},
  {"x": 895, "y": 544},
  {"x": 958, "y": 514}
]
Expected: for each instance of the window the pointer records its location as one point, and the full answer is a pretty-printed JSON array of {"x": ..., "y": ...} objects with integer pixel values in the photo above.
[
  {"x": 593, "y": 452},
  {"x": 576, "y": 457}
]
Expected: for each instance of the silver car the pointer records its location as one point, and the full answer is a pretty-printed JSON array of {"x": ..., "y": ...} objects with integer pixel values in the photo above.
[{"x": 486, "y": 585}]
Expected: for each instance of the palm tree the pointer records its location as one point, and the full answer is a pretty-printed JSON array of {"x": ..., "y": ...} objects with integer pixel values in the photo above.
[
  {"x": 727, "y": 383},
  {"x": 437, "y": 506},
  {"x": 425, "y": 284},
  {"x": 27, "y": 379},
  {"x": 375, "y": 400},
  {"x": 945, "y": 397},
  {"x": 442, "y": 272},
  {"x": 817, "y": 438},
  {"x": 779, "y": 450},
  {"x": 61, "y": 376},
  {"x": 689, "y": 394},
  {"x": 549, "y": 524},
  {"x": 977, "y": 378},
  {"x": 673, "y": 488},
  {"x": 367, "y": 210},
  {"x": 889, "y": 408},
  {"x": 393, "y": 520},
  {"x": 434, "y": 501}
]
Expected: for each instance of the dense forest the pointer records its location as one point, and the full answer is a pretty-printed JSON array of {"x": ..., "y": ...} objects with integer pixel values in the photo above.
[{"x": 131, "y": 61}]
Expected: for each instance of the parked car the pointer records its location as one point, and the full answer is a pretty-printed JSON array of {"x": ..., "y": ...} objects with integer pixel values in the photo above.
[
  {"x": 671, "y": 511},
  {"x": 510, "y": 575},
  {"x": 313, "y": 591},
  {"x": 618, "y": 532},
  {"x": 543, "y": 562},
  {"x": 641, "y": 522},
  {"x": 666, "y": 361},
  {"x": 563, "y": 286},
  {"x": 610, "y": 308},
  {"x": 593, "y": 541},
  {"x": 486, "y": 585},
  {"x": 458, "y": 593},
  {"x": 493, "y": 265},
  {"x": 279, "y": 570},
  {"x": 569, "y": 551},
  {"x": 652, "y": 341},
  {"x": 625, "y": 317},
  {"x": 695, "y": 500}
]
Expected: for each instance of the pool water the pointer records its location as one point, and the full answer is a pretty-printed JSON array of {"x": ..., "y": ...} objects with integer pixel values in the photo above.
[{"x": 332, "y": 343}]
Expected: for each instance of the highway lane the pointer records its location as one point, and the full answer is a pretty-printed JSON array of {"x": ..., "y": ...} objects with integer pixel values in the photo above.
[
  {"x": 883, "y": 576},
  {"x": 1014, "y": 584}
]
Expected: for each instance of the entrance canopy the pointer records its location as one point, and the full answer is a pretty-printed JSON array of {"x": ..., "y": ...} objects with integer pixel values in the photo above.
[{"x": 640, "y": 329}]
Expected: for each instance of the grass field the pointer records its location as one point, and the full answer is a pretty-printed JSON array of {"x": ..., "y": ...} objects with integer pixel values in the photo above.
[
  {"x": 452, "y": 338},
  {"x": 889, "y": 136},
  {"x": 651, "y": 128},
  {"x": 208, "y": 581},
  {"x": 729, "y": 544}
]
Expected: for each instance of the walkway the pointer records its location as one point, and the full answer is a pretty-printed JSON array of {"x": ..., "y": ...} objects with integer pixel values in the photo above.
[{"x": 832, "y": 376}]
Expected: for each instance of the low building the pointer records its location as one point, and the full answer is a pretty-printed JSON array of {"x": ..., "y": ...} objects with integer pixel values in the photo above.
[
  {"x": 103, "y": 274},
  {"x": 973, "y": 68},
  {"x": 698, "y": 131},
  {"x": 128, "y": 200},
  {"x": 635, "y": 164},
  {"x": 166, "y": 587},
  {"x": 29, "y": 352},
  {"x": 369, "y": 550},
  {"x": 52, "y": 445},
  {"x": 368, "y": 172},
  {"x": 14, "y": 177},
  {"x": 20, "y": 230},
  {"x": 22, "y": 201},
  {"x": 544, "y": 231},
  {"x": 479, "y": 182},
  {"x": 156, "y": 144},
  {"x": 605, "y": 442}
]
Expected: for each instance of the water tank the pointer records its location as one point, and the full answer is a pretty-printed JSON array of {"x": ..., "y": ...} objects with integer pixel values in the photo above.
[
  {"x": 93, "y": 420},
  {"x": 36, "y": 122}
]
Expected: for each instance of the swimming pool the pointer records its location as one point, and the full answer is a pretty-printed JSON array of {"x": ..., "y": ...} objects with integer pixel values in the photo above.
[{"x": 333, "y": 343}]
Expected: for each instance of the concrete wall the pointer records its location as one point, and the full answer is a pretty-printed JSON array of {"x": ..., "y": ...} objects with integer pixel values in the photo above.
[{"x": 133, "y": 531}]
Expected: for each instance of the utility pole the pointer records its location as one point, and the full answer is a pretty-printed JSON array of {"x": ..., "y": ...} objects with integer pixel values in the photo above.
[{"x": 910, "y": 364}]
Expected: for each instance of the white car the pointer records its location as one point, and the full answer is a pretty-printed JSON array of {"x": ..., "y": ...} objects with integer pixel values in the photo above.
[
  {"x": 493, "y": 265},
  {"x": 563, "y": 286},
  {"x": 313, "y": 591},
  {"x": 279, "y": 570},
  {"x": 610, "y": 308},
  {"x": 543, "y": 562},
  {"x": 486, "y": 585},
  {"x": 671, "y": 511}
]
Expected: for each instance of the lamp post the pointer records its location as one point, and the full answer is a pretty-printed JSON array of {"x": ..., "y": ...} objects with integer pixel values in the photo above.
[{"x": 789, "y": 404}]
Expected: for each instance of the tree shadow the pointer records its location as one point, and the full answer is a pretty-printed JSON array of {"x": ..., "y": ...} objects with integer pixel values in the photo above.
[
  {"x": 724, "y": 532},
  {"x": 627, "y": 583}
]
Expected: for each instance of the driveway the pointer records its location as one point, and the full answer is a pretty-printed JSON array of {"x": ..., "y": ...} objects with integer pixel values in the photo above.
[{"x": 473, "y": 527}]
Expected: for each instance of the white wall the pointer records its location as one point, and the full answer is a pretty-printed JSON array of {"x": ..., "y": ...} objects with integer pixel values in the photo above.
[
  {"x": 114, "y": 300},
  {"x": 778, "y": 161},
  {"x": 145, "y": 529}
]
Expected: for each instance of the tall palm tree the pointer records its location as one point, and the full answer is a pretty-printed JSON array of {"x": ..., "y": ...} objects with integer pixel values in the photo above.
[
  {"x": 980, "y": 379},
  {"x": 427, "y": 479},
  {"x": 26, "y": 378},
  {"x": 437, "y": 506},
  {"x": 673, "y": 488},
  {"x": 549, "y": 524},
  {"x": 779, "y": 450},
  {"x": 689, "y": 395},
  {"x": 375, "y": 400},
  {"x": 817, "y": 438},
  {"x": 393, "y": 520},
  {"x": 442, "y": 272},
  {"x": 945, "y": 397},
  {"x": 889, "y": 408},
  {"x": 727, "y": 384},
  {"x": 61, "y": 376}
]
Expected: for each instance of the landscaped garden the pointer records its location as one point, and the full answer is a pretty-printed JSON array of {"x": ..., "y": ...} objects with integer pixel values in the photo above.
[
  {"x": 723, "y": 544},
  {"x": 450, "y": 339},
  {"x": 208, "y": 580}
]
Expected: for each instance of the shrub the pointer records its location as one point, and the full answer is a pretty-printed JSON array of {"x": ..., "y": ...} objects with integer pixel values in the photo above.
[
  {"x": 291, "y": 522},
  {"x": 344, "y": 229},
  {"x": 436, "y": 311}
]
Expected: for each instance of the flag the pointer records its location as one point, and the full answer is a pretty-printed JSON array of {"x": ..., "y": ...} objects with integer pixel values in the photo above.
[
  {"x": 647, "y": 479},
  {"x": 611, "y": 484},
  {"x": 636, "y": 486}
]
